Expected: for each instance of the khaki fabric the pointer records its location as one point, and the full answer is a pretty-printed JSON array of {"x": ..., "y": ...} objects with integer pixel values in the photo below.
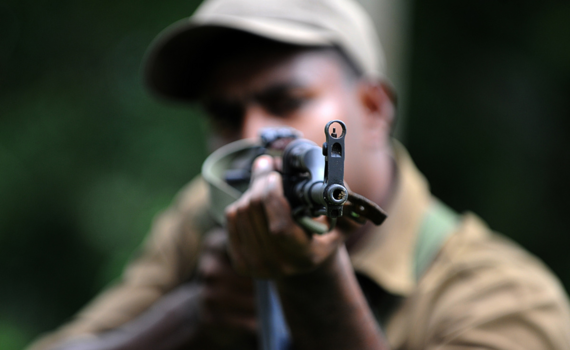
[{"x": 481, "y": 291}]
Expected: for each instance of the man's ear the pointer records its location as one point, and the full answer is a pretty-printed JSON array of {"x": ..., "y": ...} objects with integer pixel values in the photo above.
[{"x": 378, "y": 103}]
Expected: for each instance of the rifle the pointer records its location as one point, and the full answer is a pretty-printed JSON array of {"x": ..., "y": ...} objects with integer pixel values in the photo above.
[{"x": 313, "y": 183}]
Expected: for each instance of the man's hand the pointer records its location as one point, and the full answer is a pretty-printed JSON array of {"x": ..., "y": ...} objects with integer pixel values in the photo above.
[
  {"x": 322, "y": 301},
  {"x": 227, "y": 311},
  {"x": 264, "y": 240},
  {"x": 215, "y": 312}
]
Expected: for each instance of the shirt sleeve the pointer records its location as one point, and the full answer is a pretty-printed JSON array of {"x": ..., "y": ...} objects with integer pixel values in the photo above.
[{"x": 167, "y": 259}]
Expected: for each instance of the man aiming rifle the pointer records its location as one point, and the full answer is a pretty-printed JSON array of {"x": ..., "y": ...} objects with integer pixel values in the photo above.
[{"x": 428, "y": 278}]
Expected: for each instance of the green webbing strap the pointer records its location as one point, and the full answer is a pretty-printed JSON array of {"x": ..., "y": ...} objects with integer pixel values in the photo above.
[{"x": 439, "y": 222}]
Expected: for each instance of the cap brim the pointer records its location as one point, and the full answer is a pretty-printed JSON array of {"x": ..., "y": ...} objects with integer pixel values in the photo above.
[{"x": 181, "y": 57}]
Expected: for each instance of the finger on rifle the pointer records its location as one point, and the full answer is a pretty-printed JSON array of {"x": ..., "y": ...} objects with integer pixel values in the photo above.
[
  {"x": 228, "y": 322},
  {"x": 261, "y": 166},
  {"x": 216, "y": 270},
  {"x": 277, "y": 207},
  {"x": 215, "y": 241},
  {"x": 245, "y": 230},
  {"x": 235, "y": 244},
  {"x": 261, "y": 190},
  {"x": 225, "y": 299}
]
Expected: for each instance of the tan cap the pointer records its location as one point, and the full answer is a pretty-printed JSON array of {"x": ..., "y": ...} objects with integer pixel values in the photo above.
[{"x": 178, "y": 61}]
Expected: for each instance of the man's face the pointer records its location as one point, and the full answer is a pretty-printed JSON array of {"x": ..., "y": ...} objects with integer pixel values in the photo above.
[{"x": 300, "y": 89}]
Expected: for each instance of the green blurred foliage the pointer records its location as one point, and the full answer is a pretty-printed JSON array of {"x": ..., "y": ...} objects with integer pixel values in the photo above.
[{"x": 87, "y": 158}]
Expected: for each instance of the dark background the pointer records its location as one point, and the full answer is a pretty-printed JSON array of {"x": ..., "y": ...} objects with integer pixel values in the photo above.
[{"x": 87, "y": 157}]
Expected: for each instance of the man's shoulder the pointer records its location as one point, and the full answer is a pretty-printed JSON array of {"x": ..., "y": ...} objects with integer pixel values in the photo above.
[
  {"x": 484, "y": 285},
  {"x": 193, "y": 195},
  {"x": 475, "y": 249},
  {"x": 190, "y": 207}
]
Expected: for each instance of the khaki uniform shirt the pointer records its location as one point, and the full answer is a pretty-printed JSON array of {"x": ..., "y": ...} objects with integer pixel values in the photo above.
[{"x": 481, "y": 291}]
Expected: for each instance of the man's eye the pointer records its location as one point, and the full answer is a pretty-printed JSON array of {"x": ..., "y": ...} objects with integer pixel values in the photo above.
[{"x": 282, "y": 105}]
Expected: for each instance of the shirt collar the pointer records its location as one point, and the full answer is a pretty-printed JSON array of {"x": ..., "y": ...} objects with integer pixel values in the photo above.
[{"x": 387, "y": 254}]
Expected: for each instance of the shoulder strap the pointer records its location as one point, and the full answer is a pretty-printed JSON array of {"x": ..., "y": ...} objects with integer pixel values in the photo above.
[{"x": 439, "y": 223}]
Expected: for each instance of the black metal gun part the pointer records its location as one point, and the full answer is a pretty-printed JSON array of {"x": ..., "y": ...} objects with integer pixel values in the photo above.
[{"x": 313, "y": 177}]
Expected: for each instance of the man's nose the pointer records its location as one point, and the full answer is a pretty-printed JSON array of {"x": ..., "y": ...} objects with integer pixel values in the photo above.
[{"x": 256, "y": 118}]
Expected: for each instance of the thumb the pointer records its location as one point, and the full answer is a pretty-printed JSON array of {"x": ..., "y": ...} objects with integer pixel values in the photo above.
[{"x": 262, "y": 166}]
